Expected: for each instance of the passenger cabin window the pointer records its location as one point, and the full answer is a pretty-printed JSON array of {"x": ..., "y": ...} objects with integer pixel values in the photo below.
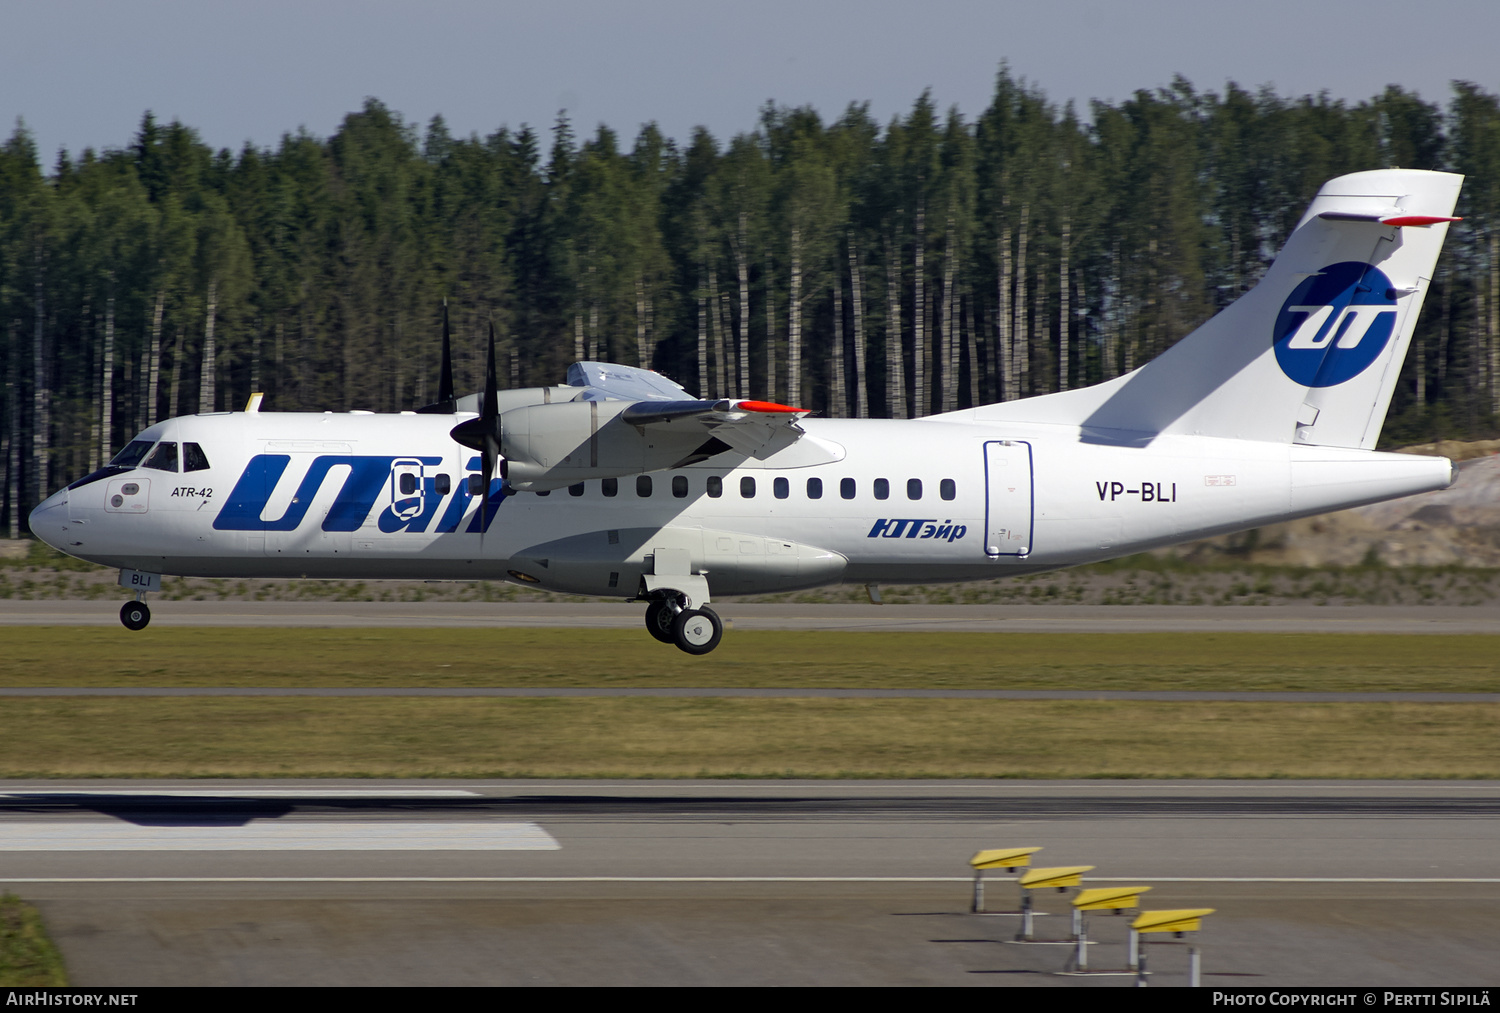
[
  {"x": 781, "y": 488},
  {"x": 643, "y": 486},
  {"x": 443, "y": 484},
  {"x": 846, "y": 488},
  {"x": 815, "y": 488},
  {"x": 408, "y": 483},
  {"x": 947, "y": 489},
  {"x": 609, "y": 486},
  {"x": 679, "y": 486},
  {"x": 133, "y": 453},
  {"x": 193, "y": 458},
  {"x": 576, "y": 489},
  {"x": 747, "y": 487},
  {"x": 715, "y": 487},
  {"x": 913, "y": 488},
  {"x": 164, "y": 458},
  {"x": 882, "y": 489}
]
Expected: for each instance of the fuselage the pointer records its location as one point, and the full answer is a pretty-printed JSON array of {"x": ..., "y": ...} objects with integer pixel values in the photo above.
[{"x": 372, "y": 496}]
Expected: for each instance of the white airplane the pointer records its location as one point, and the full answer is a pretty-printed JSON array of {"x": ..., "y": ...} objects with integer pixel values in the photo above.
[{"x": 621, "y": 483}]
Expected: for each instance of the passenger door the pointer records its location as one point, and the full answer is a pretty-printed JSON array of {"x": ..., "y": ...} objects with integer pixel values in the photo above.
[{"x": 1008, "y": 498}]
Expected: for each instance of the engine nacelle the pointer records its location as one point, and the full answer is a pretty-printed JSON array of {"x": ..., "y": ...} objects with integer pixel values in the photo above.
[{"x": 518, "y": 397}]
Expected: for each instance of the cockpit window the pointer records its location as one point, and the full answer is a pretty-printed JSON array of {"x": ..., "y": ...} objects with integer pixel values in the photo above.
[
  {"x": 165, "y": 457},
  {"x": 193, "y": 458},
  {"x": 131, "y": 456}
]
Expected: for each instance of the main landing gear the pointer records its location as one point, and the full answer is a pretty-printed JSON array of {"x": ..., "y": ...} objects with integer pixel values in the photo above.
[
  {"x": 696, "y": 631},
  {"x": 135, "y": 615}
]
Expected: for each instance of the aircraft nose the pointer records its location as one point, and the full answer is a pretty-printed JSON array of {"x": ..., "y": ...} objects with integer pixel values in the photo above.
[{"x": 49, "y": 521}]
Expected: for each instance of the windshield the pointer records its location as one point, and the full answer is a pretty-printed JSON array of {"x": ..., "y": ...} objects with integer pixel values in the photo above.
[
  {"x": 193, "y": 458},
  {"x": 131, "y": 456},
  {"x": 165, "y": 458}
]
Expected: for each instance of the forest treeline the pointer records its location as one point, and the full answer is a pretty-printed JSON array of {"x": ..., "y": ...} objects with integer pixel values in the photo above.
[{"x": 851, "y": 267}]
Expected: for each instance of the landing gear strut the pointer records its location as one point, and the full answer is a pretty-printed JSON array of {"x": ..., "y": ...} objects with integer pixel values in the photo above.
[{"x": 135, "y": 615}]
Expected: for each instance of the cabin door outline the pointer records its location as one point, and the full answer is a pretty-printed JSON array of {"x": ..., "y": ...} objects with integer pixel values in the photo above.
[{"x": 1009, "y": 499}]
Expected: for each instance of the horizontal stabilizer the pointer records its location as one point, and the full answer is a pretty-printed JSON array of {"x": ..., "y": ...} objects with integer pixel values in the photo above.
[{"x": 1397, "y": 219}]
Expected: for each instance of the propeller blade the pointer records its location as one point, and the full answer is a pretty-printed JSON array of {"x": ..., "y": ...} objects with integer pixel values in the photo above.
[
  {"x": 491, "y": 407},
  {"x": 483, "y": 433},
  {"x": 445, "y": 375},
  {"x": 489, "y": 416},
  {"x": 445, "y": 404}
]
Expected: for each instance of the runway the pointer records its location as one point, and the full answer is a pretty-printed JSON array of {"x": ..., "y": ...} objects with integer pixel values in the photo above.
[
  {"x": 730, "y": 882},
  {"x": 755, "y": 616},
  {"x": 748, "y": 883},
  {"x": 718, "y": 693}
]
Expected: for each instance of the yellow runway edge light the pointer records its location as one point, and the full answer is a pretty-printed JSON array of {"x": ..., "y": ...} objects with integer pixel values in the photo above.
[
  {"x": 1188, "y": 919},
  {"x": 1061, "y": 876},
  {"x": 1109, "y": 898},
  {"x": 1003, "y": 858}
]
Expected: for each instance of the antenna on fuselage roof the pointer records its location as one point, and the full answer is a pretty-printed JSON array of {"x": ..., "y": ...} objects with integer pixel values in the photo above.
[{"x": 445, "y": 404}]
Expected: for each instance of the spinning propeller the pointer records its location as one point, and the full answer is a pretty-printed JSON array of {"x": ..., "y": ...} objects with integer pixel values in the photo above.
[{"x": 482, "y": 433}]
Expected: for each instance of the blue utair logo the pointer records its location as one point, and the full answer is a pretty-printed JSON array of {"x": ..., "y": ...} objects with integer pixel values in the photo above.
[
  {"x": 368, "y": 480},
  {"x": 917, "y": 527},
  {"x": 1335, "y": 324}
]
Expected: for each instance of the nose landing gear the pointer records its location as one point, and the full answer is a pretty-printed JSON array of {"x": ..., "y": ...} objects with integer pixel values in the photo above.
[{"x": 135, "y": 615}]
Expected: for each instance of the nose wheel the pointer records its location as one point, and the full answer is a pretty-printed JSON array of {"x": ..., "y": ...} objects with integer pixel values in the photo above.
[{"x": 135, "y": 615}]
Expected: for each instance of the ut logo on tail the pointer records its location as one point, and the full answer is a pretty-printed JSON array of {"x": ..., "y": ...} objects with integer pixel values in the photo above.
[{"x": 1335, "y": 324}]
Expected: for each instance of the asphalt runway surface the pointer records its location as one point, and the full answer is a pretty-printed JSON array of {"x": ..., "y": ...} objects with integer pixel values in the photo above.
[
  {"x": 1364, "y": 884},
  {"x": 751, "y": 616}
]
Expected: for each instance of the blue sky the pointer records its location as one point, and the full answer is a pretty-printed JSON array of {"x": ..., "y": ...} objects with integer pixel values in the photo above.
[{"x": 81, "y": 72}]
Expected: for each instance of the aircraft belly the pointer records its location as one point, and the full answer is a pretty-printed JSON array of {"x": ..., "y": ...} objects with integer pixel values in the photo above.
[{"x": 612, "y": 561}]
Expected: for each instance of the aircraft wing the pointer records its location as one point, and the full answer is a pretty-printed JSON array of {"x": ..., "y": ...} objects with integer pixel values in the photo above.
[
  {"x": 751, "y": 427},
  {"x": 747, "y": 426}
]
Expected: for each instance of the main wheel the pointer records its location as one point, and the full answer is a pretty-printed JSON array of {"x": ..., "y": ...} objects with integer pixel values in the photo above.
[
  {"x": 659, "y": 620},
  {"x": 135, "y": 615},
  {"x": 697, "y": 631}
]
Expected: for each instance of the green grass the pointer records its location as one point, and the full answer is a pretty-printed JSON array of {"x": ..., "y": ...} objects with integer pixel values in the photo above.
[
  {"x": 27, "y": 957},
  {"x": 811, "y": 738},
  {"x": 665, "y": 737},
  {"x": 166, "y": 656}
]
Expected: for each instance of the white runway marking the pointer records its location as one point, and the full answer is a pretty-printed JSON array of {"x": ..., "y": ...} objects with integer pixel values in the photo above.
[{"x": 276, "y": 835}]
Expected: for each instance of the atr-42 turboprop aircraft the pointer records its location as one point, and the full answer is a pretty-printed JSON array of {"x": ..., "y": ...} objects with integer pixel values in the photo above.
[{"x": 621, "y": 483}]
